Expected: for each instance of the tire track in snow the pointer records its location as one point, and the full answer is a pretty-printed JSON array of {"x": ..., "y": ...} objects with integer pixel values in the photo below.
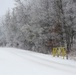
[
  {"x": 44, "y": 59},
  {"x": 53, "y": 64}
]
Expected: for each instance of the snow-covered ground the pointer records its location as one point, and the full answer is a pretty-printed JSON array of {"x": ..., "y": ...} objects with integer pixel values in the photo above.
[{"x": 21, "y": 62}]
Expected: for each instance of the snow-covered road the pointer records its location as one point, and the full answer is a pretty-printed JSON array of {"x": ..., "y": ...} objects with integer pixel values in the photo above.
[{"x": 21, "y": 62}]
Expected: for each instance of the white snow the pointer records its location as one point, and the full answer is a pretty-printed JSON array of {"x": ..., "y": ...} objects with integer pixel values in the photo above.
[{"x": 22, "y": 62}]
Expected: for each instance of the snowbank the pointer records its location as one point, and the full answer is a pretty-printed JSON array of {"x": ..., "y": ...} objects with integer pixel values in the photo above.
[{"x": 22, "y": 62}]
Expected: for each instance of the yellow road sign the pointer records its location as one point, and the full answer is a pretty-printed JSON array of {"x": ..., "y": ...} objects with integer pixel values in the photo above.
[{"x": 59, "y": 51}]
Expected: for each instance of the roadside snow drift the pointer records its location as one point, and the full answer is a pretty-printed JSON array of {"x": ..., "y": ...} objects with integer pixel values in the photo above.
[{"x": 22, "y": 62}]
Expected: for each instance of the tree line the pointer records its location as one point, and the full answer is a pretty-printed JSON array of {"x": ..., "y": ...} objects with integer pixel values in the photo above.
[{"x": 39, "y": 25}]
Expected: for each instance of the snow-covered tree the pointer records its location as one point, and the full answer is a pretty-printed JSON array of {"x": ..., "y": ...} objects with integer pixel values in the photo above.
[{"x": 39, "y": 25}]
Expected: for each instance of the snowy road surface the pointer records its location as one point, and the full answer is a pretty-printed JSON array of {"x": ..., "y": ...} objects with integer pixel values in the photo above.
[{"x": 21, "y": 62}]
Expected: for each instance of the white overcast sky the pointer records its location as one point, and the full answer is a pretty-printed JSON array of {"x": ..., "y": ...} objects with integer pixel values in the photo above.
[{"x": 5, "y": 5}]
